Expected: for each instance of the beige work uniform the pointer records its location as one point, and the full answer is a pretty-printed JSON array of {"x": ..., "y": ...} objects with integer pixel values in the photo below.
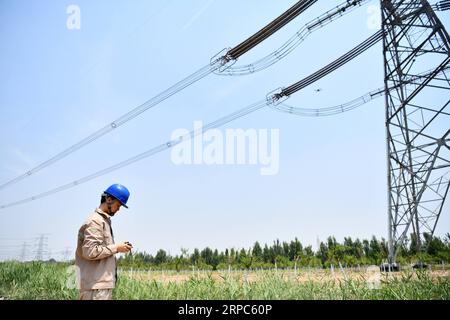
[{"x": 95, "y": 257}]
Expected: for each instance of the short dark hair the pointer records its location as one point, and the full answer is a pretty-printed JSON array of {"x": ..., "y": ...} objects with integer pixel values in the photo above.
[{"x": 104, "y": 197}]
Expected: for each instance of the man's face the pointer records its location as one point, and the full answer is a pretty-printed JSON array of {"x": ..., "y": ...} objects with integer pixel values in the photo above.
[{"x": 115, "y": 206}]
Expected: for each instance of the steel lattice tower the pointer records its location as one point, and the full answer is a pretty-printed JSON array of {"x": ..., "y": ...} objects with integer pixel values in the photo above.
[{"x": 417, "y": 119}]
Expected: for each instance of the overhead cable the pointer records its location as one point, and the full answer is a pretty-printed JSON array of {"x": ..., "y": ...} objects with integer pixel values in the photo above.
[
  {"x": 271, "y": 99},
  {"x": 267, "y": 61},
  {"x": 217, "y": 62}
]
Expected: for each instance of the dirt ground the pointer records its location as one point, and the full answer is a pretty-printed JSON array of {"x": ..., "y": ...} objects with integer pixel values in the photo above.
[{"x": 301, "y": 276}]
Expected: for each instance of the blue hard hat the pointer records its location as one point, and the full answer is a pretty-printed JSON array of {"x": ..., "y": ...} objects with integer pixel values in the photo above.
[{"x": 119, "y": 192}]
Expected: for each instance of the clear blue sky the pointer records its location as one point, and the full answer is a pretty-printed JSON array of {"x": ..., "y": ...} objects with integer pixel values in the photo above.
[{"x": 59, "y": 85}]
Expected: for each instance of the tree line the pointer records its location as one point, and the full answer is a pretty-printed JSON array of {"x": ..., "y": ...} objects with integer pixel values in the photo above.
[{"x": 293, "y": 254}]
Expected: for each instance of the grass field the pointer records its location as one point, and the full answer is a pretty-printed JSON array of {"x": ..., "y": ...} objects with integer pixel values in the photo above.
[{"x": 37, "y": 280}]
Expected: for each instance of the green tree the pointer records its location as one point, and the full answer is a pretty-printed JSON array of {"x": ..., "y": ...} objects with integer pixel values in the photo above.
[
  {"x": 257, "y": 251},
  {"x": 433, "y": 245},
  {"x": 349, "y": 246},
  {"x": 161, "y": 257},
  {"x": 331, "y": 242},
  {"x": 277, "y": 249},
  {"x": 207, "y": 256},
  {"x": 295, "y": 250},
  {"x": 366, "y": 248},
  {"x": 267, "y": 256},
  {"x": 215, "y": 259},
  {"x": 282, "y": 261},
  {"x": 413, "y": 244},
  {"x": 195, "y": 258},
  {"x": 375, "y": 250},
  {"x": 308, "y": 251},
  {"x": 358, "y": 249},
  {"x": 322, "y": 254},
  {"x": 285, "y": 249}
]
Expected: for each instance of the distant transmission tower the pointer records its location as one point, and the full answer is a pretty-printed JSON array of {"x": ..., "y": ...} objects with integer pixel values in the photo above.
[
  {"x": 417, "y": 119},
  {"x": 66, "y": 254},
  {"x": 23, "y": 255},
  {"x": 41, "y": 247}
]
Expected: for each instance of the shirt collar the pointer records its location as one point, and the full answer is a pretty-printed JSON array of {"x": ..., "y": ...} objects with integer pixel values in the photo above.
[{"x": 103, "y": 213}]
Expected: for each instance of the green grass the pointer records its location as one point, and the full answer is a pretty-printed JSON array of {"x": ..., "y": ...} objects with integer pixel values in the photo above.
[{"x": 52, "y": 281}]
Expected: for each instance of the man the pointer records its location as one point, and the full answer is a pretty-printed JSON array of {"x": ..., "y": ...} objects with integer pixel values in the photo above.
[{"x": 95, "y": 255}]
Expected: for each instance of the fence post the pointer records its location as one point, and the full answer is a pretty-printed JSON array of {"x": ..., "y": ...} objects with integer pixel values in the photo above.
[
  {"x": 343, "y": 271},
  {"x": 295, "y": 269}
]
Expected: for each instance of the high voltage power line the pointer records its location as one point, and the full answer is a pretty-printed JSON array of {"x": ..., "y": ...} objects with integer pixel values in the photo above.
[
  {"x": 270, "y": 29},
  {"x": 333, "y": 65},
  {"x": 294, "y": 41},
  {"x": 353, "y": 104},
  {"x": 271, "y": 99},
  {"x": 219, "y": 63},
  {"x": 442, "y": 5}
]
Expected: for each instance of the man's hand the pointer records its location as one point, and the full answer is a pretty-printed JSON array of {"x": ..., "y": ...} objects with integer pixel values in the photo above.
[{"x": 124, "y": 247}]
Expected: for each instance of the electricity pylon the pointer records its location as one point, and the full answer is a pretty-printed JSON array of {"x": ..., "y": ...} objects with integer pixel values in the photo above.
[{"x": 417, "y": 119}]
